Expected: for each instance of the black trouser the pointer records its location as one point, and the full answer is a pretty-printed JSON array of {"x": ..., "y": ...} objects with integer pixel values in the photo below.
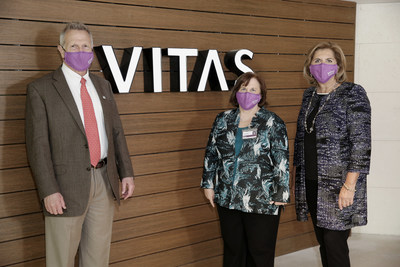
[
  {"x": 249, "y": 238},
  {"x": 333, "y": 244}
]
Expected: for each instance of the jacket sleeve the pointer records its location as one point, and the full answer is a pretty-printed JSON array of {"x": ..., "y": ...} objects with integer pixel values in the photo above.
[
  {"x": 38, "y": 145},
  {"x": 280, "y": 159},
  {"x": 124, "y": 164},
  {"x": 359, "y": 128},
  {"x": 210, "y": 165}
]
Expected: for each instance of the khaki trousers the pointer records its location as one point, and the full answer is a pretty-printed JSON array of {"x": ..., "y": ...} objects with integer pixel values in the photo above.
[{"x": 91, "y": 232}]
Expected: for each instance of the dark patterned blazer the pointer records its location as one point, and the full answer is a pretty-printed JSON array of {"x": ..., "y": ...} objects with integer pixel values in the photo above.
[
  {"x": 343, "y": 136},
  {"x": 260, "y": 172}
]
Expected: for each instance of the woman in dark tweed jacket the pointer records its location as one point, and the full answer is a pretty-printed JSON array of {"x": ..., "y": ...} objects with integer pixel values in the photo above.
[{"x": 332, "y": 153}]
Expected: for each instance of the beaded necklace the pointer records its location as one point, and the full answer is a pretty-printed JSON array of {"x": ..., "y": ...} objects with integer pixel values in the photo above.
[{"x": 319, "y": 110}]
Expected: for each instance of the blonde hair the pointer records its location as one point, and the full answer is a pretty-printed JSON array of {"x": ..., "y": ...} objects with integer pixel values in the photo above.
[{"x": 339, "y": 56}]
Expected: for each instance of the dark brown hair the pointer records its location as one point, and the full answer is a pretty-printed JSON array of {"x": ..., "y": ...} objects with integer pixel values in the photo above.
[
  {"x": 244, "y": 79},
  {"x": 339, "y": 56}
]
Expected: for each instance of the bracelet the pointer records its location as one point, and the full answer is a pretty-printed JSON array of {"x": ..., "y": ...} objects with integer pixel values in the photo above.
[{"x": 348, "y": 188}]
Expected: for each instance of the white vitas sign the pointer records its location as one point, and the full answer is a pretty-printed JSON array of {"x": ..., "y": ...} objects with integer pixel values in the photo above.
[{"x": 208, "y": 67}]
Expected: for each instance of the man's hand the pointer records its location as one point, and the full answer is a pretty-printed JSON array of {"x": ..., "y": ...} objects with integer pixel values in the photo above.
[
  {"x": 54, "y": 204},
  {"x": 128, "y": 186}
]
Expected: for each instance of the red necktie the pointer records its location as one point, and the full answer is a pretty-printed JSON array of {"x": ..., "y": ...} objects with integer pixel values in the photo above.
[{"x": 92, "y": 133}]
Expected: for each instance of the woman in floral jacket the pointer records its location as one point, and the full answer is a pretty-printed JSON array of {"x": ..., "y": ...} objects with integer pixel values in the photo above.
[
  {"x": 332, "y": 153},
  {"x": 246, "y": 173}
]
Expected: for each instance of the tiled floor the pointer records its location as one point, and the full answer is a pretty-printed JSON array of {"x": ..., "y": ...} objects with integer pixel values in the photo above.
[{"x": 366, "y": 250}]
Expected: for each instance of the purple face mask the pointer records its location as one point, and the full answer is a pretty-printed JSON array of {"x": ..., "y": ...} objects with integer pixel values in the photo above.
[
  {"x": 79, "y": 61},
  {"x": 247, "y": 100},
  {"x": 323, "y": 72}
]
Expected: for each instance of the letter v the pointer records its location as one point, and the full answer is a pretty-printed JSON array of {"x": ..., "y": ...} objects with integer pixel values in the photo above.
[{"x": 121, "y": 78}]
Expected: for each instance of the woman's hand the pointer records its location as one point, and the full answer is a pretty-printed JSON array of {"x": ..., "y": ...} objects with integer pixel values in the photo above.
[
  {"x": 209, "y": 193},
  {"x": 346, "y": 195},
  {"x": 346, "y": 198},
  {"x": 277, "y": 203}
]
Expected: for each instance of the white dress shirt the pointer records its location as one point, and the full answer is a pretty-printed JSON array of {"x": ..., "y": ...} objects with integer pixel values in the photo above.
[{"x": 74, "y": 84}]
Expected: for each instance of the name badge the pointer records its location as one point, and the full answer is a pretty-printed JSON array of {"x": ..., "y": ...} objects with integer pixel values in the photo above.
[{"x": 249, "y": 133}]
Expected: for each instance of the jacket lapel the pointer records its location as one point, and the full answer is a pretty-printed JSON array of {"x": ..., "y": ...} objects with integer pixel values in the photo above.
[
  {"x": 62, "y": 88},
  {"x": 232, "y": 122},
  {"x": 255, "y": 124}
]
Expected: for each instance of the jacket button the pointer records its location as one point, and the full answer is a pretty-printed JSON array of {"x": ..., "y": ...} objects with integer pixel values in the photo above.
[
  {"x": 88, "y": 169},
  {"x": 86, "y": 146}
]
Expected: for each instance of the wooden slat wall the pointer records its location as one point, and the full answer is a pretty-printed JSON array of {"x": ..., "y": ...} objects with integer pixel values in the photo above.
[{"x": 167, "y": 222}]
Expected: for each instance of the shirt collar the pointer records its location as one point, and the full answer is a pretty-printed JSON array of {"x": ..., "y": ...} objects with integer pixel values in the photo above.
[{"x": 72, "y": 74}]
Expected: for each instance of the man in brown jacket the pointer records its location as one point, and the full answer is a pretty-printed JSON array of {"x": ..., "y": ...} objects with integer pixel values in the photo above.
[{"x": 78, "y": 154}]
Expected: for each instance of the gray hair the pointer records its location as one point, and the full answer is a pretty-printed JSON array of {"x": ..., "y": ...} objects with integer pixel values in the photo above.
[{"x": 75, "y": 26}]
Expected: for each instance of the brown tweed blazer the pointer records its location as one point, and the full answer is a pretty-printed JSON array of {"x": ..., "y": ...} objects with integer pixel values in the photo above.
[{"x": 56, "y": 143}]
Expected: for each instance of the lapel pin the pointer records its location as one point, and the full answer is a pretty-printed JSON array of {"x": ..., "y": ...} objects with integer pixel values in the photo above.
[{"x": 104, "y": 97}]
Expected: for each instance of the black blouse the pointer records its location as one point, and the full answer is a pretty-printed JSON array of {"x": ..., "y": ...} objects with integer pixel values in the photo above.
[{"x": 310, "y": 139}]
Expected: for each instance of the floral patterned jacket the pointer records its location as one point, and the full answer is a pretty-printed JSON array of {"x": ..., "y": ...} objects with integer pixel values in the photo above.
[
  {"x": 261, "y": 172},
  {"x": 343, "y": 136}
]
